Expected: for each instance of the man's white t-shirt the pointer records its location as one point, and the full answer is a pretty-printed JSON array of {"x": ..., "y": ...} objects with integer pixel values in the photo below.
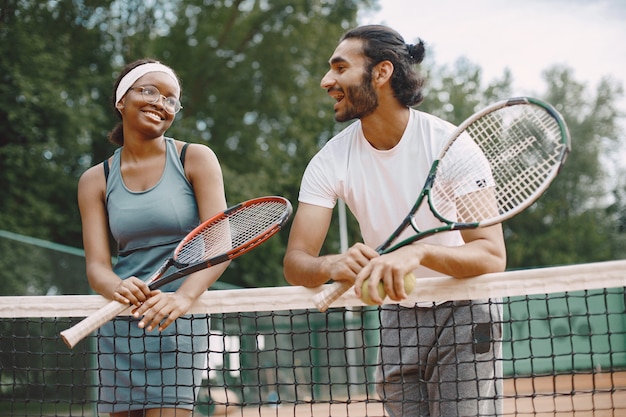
[{"x": 380, "y": 186}]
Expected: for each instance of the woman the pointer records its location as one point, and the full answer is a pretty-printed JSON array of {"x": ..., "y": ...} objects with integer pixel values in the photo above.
[{"x": 149, "y": 194}]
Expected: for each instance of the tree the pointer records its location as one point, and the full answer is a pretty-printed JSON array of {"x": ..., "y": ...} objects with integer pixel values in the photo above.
[
  {"x": 573, "y": 221},
  {"x": 52, "y": 69},
  {"x": 250, "y": 72},
  {"x": 251, "y": 77},
  {"x": 569, "y": 224}
]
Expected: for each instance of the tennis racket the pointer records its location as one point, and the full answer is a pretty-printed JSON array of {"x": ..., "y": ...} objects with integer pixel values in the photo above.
[
  {"x": 495, "y": 164},
  {"x": 226, "y": 236}
]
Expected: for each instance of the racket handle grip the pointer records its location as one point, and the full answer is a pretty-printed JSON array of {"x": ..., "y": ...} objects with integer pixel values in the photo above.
[
  {"x": 325, "y": 298},
  {"x": 94, "y": 321}
]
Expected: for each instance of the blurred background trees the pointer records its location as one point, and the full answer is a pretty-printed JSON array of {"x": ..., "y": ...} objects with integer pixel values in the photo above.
[{"x": 250, "y": 72}]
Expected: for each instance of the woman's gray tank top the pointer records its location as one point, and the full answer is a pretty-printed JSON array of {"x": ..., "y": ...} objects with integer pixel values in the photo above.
[{"x": 148, "y": 225}]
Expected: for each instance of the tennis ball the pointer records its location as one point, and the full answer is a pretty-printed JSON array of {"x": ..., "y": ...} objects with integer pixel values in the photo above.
[
  {"x": 409, "y": 285},
  {"x": 365, "y": 292}
]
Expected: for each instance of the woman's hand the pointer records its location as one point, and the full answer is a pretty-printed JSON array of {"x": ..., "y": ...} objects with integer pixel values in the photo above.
[
  {"x": 132, "y": 291},
  {"x": 161, "y": 309}
]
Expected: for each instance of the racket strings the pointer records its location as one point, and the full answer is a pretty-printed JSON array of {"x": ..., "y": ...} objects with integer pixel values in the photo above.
[
  {"x": 534, "y": 149},
  {"x": 519, "y": 148},
  {"x": 234, "y": 230}
]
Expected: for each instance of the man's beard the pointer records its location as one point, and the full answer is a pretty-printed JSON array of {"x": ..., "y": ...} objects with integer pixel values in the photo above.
[{"x": 362, "y": 101}]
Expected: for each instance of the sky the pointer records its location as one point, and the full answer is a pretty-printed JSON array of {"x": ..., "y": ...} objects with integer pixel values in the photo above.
[{"x": 526, "y": 36}]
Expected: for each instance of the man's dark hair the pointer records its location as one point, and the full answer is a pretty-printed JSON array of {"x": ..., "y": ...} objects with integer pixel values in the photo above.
[{"x": 381, "y": 43}]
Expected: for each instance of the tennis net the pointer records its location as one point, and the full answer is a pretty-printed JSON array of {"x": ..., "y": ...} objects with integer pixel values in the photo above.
[{"x": 271, "y": 353}]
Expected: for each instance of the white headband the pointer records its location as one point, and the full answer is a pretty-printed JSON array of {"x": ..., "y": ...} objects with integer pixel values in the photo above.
[{"x": 136, "y": 73}]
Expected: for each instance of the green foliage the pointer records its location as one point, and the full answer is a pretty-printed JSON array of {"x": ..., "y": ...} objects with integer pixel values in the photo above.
[
  {"x": 456, "y": 93},
  {"x": 571, "y": 223},
  {"x": 48, "y": 112},
  {"x": 250, "y": 72}
]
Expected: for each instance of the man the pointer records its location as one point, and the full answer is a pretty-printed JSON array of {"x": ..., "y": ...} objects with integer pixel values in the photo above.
[{"x": 438, "y": 359}]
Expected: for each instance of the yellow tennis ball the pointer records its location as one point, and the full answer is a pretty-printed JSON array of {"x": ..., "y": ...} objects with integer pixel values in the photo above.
[
  {"x": 365, "y": 292},
  {"x": 409, "y": 283}
]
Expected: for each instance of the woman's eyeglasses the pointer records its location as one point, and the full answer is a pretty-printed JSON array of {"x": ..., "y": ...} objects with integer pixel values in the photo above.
[{"x": 152, "y": 95}]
